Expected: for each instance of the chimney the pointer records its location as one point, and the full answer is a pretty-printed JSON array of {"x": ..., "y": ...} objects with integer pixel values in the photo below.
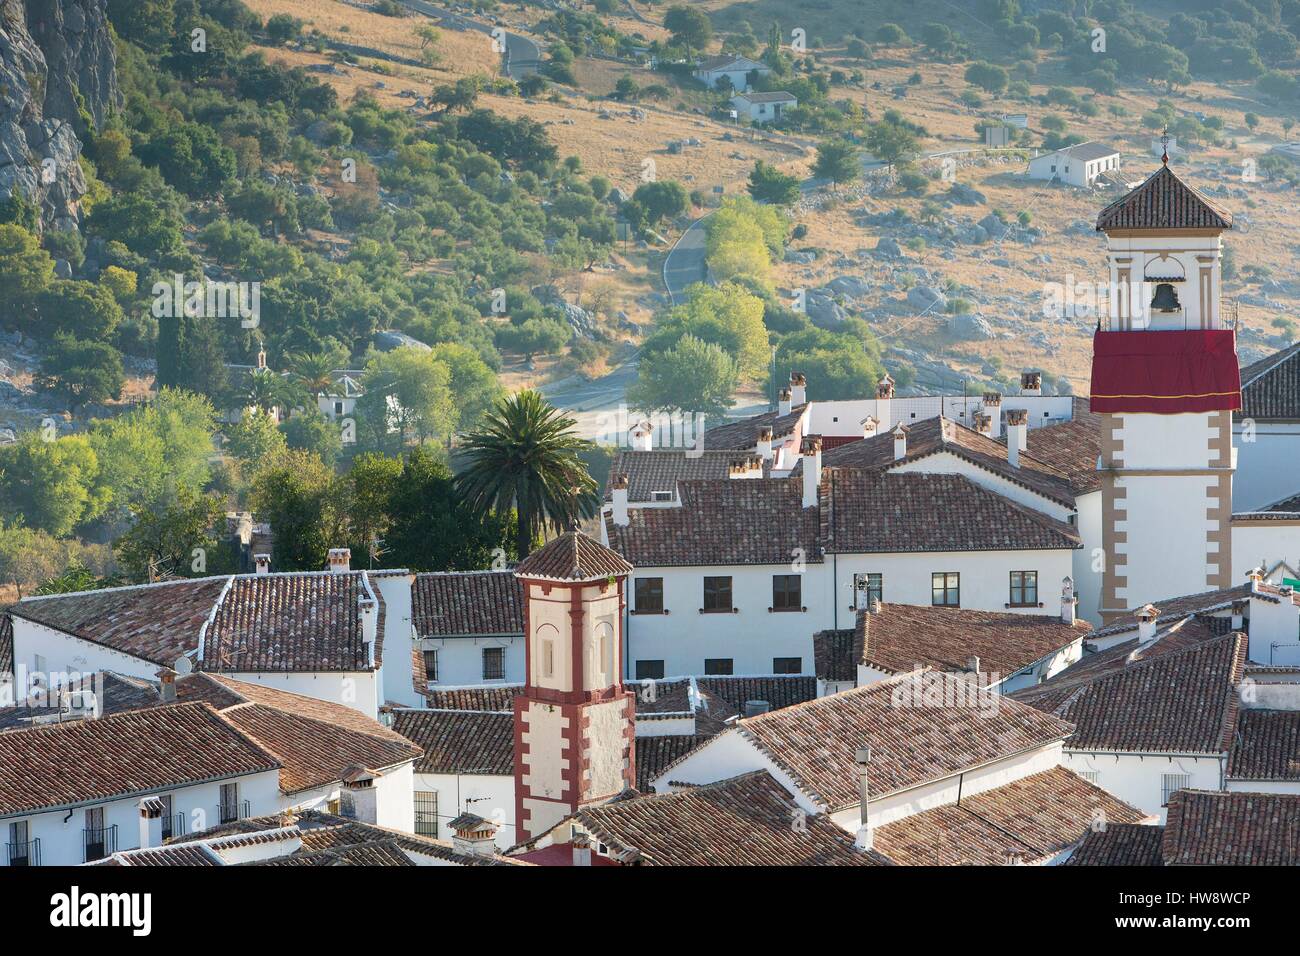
[
  {"x": 1068, "y": 600},
  {"x": 618, "y": 491},
  {"x": 1031, "y": 383},
  {"x": 973, "y": 664},
  {"x": 764, "y": 447},
  {"x": 884, "y": 396},
  {"x": 1147, "y": 617},
  {"x": 1017, "y": 432},
  {"x": 865, "y": 839},
  {"x": 369, "y": 609},
  {"x": 1014, "y": 858},
  {"x": 340, "y": 560},
  {"x": 993, "y": 407},
  {"x": 1239, "y": 615},
  {"x": 811, "y": 450},
  {"x": 984, "y": 424},
  {"x": 581, "y": 844},
  {"x": 473, "y": 836},
  {"x": 166, "y": 684},
  {"x": 263, "y": 562},
  {"x": 783, "y": 402},
  {"x": 151, "y": 822},
  {"x": 869, "y": 426},
  {"x": 1256, "y": 577},
  {"x": 798, "y": 388},
  {"x": 641, "y": 436},
  {"x": 900, "y": 441},
  {"x": 358, "y": 799},
  {"x": 750, "y": 467}
]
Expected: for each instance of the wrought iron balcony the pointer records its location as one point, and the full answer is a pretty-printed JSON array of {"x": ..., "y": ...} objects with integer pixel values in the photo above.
[
  {"x": 230, "y": 812},
  {"x": 24, "y": 854},
  {"x": 98, "y": 842}
]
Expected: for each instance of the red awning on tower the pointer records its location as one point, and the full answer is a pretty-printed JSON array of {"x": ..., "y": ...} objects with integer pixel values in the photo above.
[{"x": 1165, "y": 371}]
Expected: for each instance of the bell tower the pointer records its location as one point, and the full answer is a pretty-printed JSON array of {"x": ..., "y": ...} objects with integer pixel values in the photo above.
[
  {"x": 1165, "y": 382},
  {"x": 574, "y": 721}
]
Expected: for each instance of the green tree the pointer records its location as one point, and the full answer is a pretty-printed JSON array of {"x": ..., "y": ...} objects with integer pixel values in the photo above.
[
  {"x": 662, "y": 199},
  {"x": 407, "y": 399},
  {"x": 83, "y": 372},
  {"x": 987, "y": 76},
  {"x": 525, "y": 457},
  {"x": 689, "y": 26},
  {"x": 50, "y": 485},
  {"x": 369, "y": 485},
  {"x": 83, "y": 309},
  {"x": 281, "y": 28},
  {"x": 838, "y": 161},
  {"x": 28, "y": 556},
  {"x": 305, "y": 503},
  {"x": 769, "y": 184},
  {"x": 474, "y": 386},
  {"x": 693, "y": 376},
  {"x": 891, "y": 142},
  {"x": 255, "y": 438},
  {"x": 163, "y": 539},
  {"x": 311, "y": 431},
  {"x": 727, "y": 315},
  {"x": 25, "y": 270}
]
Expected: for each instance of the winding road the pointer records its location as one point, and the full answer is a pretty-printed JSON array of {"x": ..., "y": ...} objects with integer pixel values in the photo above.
[{"x": 522, "y": 56}]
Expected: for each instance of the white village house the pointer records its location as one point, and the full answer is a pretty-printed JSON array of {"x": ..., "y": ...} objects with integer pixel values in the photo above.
[
  {"x": 735, "y": 70},
  {"x": 763, "y": 107},
  {"x": 1078, "y": 165}
]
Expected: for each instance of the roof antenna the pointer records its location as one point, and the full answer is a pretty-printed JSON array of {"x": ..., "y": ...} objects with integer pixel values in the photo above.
[{"x": 1164, "y": 146}]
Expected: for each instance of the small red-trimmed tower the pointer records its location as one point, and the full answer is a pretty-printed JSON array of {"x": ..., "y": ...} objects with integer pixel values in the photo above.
[
  {"x": 575, "y": 724},
  {"x": 1165, "y": 382}
]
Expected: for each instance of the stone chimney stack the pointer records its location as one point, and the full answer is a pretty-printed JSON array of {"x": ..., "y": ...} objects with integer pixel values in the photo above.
[
  {"x": 581, "y": 844},
  {"x": 764, "y": 447},
  {"x": 811, "y": 451},
  {"x": 1068, "y": 600},
  {"x": 1239, "y": 614},
  {"x": 166, "y": 684},
  {"x": 869, "y": 426},
  {"x": 984, "y": 423},
  {"x": 993, "y": 408},
  {"x": 798, "y": 388},
  {"x": 749, "y": 467},
  {"x": 618, "y": 490},
  {"x": 340, "y": 560},
  {"x": 358, "y": 799},
  {"x": 783, "y": 404},
  {"x": 900, "y": 442},
  {"x": 641, "y": 436},
  {"x": 1017, "y": 434},
  {"x": 473, "y": 836},
  {"x": 151, "y": 822},
  {"x": 263, "y": 563},
  {"x": 884, "y": 400},
  {"x": 1147, "y": 617},
  {"x": 865, "y": 839},
  {"x": 1031, "y": 383}
]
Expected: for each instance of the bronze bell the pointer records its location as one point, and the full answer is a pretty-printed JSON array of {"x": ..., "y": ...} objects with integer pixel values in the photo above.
[{"x": 1166, "y": 299}]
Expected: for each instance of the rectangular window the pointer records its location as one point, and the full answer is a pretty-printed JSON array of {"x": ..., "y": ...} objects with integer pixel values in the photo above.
[
  {"x": 649, "y": 595},
  {"x": 168, "y": 817},
  {"x": 1024, "y": 589},
  {"x": 717, "y": 594},
  {"x": 98, "y": 841},
  {"x": 945, "y": 589},
  {"x": 649, "y": 670},
  {"x": 718, "y": 666},
  {"x": 229, "y": 809},
  {"x": 431, "y": 666},
  {"x": 867, "y": 588},
  {"x": 1170, "y": 783},
  {"x": 661, "y": 496},
  {"x": 494, "y": 663},
  {"x": 548, "y": 658},
  {"x": 20, "y": 848},
  {"x": 426, "y": 813},
  {"x": 787, "y": 665},
  {"x": 787, "y": 591}
]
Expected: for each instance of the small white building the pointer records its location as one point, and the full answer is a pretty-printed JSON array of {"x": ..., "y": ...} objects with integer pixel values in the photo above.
[
  {"x": 735, "y": 69},
  {"x": 1077, "y": 165},
  {"x": 763, "y": 107},
  {"x": 470, "y": 627}
]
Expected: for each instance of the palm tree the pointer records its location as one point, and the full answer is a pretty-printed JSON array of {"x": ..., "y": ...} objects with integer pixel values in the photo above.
[
  {"x": 525, "y": 456},
  {"x": 264, "y": 390},
  {"x": 315, "y": 371}
]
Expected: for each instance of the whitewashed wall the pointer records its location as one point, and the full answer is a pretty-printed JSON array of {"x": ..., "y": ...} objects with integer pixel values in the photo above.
[
  {"x": 491, "y": 796},
  {"x": 460, "y": 660},
  {"x": 1267, "y": 466},
  {"x": 1135, "y": 778},
  {"x": 356, "y": 689}
]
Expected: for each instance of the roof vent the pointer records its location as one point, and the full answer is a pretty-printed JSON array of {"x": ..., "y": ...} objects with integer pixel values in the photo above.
[{"x": 754, "y": 708}]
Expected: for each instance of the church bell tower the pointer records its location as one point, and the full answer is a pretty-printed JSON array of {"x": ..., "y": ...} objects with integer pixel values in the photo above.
[
  {"x": 574, "y": 722},
  {"x": 1165, "y": 382}
]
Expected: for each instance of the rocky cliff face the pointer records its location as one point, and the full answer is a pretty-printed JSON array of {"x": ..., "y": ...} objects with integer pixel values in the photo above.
[{"x": 58, "y": 76}]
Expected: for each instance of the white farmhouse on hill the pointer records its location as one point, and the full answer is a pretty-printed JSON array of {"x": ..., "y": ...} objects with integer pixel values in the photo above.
[
  {"x": 763, "y": 107},
  {"x": 736, "y": 69},
  {"x": 1077, "y": 165}
]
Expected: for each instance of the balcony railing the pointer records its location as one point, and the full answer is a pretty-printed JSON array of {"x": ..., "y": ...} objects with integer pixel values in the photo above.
[
  {"x": 24, "y": 854},
  {"x": 174, "y": 826},
  {"x": 236, "y": 810},
  {"x": 1228, "y": 313},
  {"x": 98, "y": 842}
]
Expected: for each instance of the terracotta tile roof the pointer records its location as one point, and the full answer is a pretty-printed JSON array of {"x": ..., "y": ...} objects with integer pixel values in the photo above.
[
  {"x": 1184, "y": 701},
  {"x": 1164, "y": 202},
  {"x": 937, "y": 434},
  {"x": 6, "y": 644},
  {"x": 1213, "y": 828},
  {"x": 661, "y": 469},
  {"x": 1270, "y": 388},
  {"x": 902, "y": 637},
  {"x": 154, "y": 622},
  {"x": 573, "y": 557},
  {"x": 836, "y": 654},
  {"x": 307, "y": 621},
  {"x": 1035, "y": 817},
  {"x": 115, "y": 692},
  {"x": 462, "y": 603},
  {"x": 460, "y": 741},
  {"x": 743, "y": 435},
  {"x": 913, "y": 740},
  {"x": 314, "y": 740},
  {"x": 497, "y": 697},
  {"x": 742, "y": 821},
  {"x": 1177, "y": 608},
  {"x": 741, "y": 521},
  {"x": 1266, "y": 746},
  {"x": 779, "y": 690},
  {"x": 655, "y": 754},
  {"x": 122, "y": 754},
  {"x": 1071, "y": 448},
  {"x": 375, "y": 853},
  {"x": 1120, "y": 844},
  {"x": 901, "y": 511}
]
